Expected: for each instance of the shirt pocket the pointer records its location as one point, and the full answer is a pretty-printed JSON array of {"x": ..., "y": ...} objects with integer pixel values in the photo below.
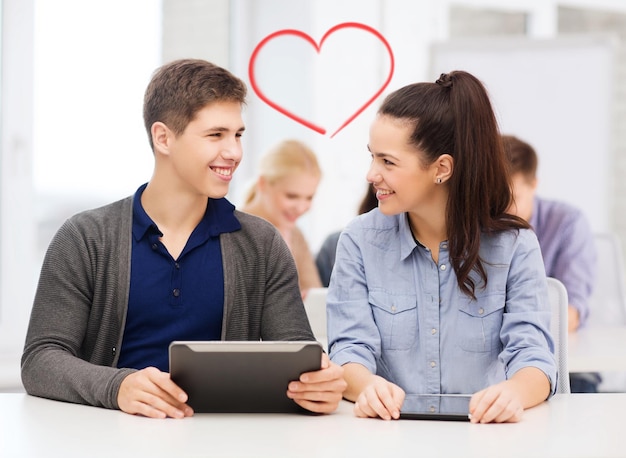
[
  {"x": 479, "y": 322},
  {"x": 396, "y": 319}
]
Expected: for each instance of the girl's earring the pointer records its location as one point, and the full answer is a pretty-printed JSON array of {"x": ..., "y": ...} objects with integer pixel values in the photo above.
[{"x": 438, "y": 180}]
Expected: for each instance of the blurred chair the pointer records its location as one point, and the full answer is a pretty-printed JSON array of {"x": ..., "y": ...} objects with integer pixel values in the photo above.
[
  {"x": 558, "y": 327},
  {"x": 607, "y": 303},
  {"x": 315, "y": 306}
]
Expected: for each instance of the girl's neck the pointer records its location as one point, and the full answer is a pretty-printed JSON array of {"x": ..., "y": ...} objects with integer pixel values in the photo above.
[{"x": 430, "y": 232}]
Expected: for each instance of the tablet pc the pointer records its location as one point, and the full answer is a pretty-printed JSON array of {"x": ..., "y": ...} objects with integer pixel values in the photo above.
[
  {"x": 241, "y": 377},
  {"x": 451, "y": 407}
]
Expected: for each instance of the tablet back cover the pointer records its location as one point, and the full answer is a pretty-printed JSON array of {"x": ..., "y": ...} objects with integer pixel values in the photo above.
[{"x": 240, "y": 377}]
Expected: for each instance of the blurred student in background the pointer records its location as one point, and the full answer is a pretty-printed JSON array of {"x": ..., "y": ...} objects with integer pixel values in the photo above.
[
  {"x": 288, "y": 178},
  {"x": 325, "y": 259},
  {"x": 565, "y": 238}
]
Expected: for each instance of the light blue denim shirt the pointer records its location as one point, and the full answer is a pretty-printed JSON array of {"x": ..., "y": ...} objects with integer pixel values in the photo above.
[{"x": 393, "y": 310}]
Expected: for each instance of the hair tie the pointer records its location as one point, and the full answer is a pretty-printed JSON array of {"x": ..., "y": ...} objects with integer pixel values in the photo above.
[{"x": 445, "y": 80}]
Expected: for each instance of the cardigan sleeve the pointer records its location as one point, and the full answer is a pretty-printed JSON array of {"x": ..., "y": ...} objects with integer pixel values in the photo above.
[{"x": 74, "y": 325}]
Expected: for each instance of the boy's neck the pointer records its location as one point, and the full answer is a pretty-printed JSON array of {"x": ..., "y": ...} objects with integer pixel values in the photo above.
[{"x": 172, "y": 210}]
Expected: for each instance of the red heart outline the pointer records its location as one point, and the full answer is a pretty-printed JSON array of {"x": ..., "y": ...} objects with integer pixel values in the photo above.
[{"x": 300, "y": 34}]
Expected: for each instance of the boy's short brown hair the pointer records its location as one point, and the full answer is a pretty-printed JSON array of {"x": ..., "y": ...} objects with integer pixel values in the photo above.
[
  {"x": 521, "y": 157},
  {"x": 179, "y": 89}
]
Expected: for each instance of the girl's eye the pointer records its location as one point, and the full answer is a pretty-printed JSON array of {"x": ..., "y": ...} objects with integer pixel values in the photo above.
[{"x": 387, "y": 162}]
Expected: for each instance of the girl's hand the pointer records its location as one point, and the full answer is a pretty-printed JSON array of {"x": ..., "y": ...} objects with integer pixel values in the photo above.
[{"x": 381, "y": 399}]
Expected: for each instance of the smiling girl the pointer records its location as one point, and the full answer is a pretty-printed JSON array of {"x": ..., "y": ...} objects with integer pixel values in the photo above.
[{"x": 439, "y": 289}]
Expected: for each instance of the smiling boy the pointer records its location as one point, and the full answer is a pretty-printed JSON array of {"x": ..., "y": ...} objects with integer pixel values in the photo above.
[{"x": 175, "y": 261}]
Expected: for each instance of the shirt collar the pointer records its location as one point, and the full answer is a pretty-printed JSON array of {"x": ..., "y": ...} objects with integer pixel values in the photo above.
[
  {"x": 142, "y": 223},
  {"x": 218, "y": 218},
  {"x": 407, "y": 242}
]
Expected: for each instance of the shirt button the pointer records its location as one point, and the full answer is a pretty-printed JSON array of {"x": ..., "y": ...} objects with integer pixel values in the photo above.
[
  {"x": 481, "y": 311},
  {"x": 433, "y": 364},
  {"x": 393, "y": 308},
  {"x": 176, "y": 292},
  {"x": 444, "y": 246},
  {"x": 177, "y": 265},
  {"x": 155, "y": 246},
  {"x": 432, "y": 408},
  {"x": 433, "y": 331},
  {"x": 442, "y": 267}
]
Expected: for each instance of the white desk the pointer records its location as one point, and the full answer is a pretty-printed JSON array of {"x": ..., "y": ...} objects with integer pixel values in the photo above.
[
  {"x": 577, "y": 425},
  {"x": 597, "y": 349}
]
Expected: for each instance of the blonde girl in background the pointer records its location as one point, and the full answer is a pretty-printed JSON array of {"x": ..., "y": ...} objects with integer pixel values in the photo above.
[{"x": 287, "y": 181}]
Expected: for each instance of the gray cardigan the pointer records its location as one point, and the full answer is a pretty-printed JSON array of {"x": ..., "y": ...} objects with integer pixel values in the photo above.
[{"x": 80, "y": 305}]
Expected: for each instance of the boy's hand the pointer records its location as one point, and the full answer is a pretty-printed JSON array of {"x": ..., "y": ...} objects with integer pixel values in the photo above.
[
  {"x": 319, "y": 391},
  {"x": 152, "y": 393}
]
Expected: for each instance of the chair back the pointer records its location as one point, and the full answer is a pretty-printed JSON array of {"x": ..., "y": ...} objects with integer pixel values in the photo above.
[
  {"x": 558, "y": 327},
  {"x": 607, "y": 304},
  {"x": 315, "y": 306}
]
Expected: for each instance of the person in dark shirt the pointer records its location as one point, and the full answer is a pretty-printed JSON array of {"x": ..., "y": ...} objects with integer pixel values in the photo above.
[{"x": 175, "y": 261}]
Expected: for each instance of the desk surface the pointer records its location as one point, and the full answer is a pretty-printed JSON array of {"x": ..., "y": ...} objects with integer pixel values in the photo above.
[
  {"x": 576, "y": 425},
  {"x": 597, "y": 349}
]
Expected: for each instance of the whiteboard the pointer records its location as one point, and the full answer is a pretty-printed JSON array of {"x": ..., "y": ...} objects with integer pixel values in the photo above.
[{"x": 556, "y": 95}]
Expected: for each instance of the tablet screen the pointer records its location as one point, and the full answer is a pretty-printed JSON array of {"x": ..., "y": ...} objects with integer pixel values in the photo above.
[{"x": 436, "y": 407}]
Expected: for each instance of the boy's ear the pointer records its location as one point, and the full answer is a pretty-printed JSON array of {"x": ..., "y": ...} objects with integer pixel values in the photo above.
[{"x": 160, "y": 137}]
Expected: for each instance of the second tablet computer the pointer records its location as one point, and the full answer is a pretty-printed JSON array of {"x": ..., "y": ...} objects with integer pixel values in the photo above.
[{"x": 453, "y": 407}]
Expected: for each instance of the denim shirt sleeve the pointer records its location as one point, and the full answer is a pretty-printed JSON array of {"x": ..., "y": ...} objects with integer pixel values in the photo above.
[
  {"x": 525, "y": 332},
  {"x": 352, "y": 333}
]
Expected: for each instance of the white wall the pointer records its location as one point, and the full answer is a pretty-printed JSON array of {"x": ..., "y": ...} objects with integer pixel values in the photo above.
[{"x": 90, "y": 78}]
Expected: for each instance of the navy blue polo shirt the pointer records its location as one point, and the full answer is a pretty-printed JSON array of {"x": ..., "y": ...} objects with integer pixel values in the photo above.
[{"x": 174, "y": 299}]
